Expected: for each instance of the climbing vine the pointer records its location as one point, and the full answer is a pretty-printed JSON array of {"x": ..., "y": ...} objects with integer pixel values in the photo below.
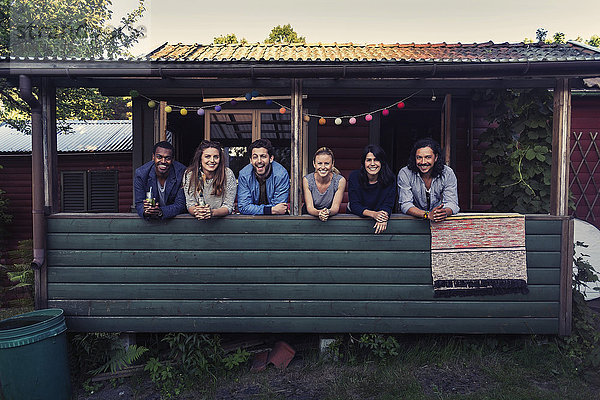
[{"x": 516, "y": 151}]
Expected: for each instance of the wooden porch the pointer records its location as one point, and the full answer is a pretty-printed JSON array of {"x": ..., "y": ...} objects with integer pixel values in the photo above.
[{"x": 117, "y": 272}]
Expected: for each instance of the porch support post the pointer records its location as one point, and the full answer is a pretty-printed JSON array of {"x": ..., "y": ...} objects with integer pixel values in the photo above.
[
  {"x": 296, "y": 144},
  {"x": 48, "y": 100},
  {"x": 37, "y": 185},
  {"x": 561, "y": 128}
]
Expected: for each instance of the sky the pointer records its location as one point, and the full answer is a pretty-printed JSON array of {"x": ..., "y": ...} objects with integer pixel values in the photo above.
[{"x": 375, "y": 21}]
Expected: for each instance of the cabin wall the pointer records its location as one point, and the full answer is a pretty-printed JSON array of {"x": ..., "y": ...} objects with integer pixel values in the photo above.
[
  {"x": 585, "y": 119},
  {"x": 15, "y": 179},
  {"x": 585, "y": 158},
  {"x": 291, "y": 274}
]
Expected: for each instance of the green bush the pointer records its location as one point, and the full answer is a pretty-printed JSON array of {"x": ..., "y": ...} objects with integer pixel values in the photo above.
[{"x": 516, "y": 151}]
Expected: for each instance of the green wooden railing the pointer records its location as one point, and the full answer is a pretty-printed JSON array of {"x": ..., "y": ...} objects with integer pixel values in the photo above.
[{"x": 116, "y": 272}]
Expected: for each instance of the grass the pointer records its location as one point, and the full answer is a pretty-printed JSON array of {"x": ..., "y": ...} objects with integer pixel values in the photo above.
[
  {"x": 17, "y": 307},
  {"x": 436, "y": 367}
]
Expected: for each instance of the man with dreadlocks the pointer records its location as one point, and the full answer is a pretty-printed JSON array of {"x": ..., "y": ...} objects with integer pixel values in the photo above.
[{"x": 426, "y": 187}]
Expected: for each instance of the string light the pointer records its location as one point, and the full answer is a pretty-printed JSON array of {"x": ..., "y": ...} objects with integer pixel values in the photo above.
[{"x": 322, "y": 119}]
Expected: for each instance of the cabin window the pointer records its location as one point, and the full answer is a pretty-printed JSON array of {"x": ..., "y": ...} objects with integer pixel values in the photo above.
[
  {"x": 89, "y": 191},
  {"x": 236, "y": 129}
]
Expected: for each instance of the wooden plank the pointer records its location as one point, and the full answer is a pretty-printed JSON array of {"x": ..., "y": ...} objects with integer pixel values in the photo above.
[
  {"x": 233, "y": 241},
  {"x": 566, "y": 279},
  {"x": 315, "y": 325},
  {"x": 542, "y": 242},
  {"x": 561, "y": 130},
  {"x": 548, "y": 259},
  {"x": 339, "y": 224},
  {"x": 246, "y": 275},
  {"x": 238, "y": 258},
  {"x": 274, "y": 308},
  {"x": 296, "y": 146},
  {"x": 536, "y": 227},
  {"x": 125, "y": 291}
]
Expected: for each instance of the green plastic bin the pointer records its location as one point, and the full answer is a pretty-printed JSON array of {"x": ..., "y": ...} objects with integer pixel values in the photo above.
[{"x": 34, "y": 363}]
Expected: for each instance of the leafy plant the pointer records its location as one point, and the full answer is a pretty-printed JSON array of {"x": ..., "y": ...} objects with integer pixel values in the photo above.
[
  {"x": 120, "y": 358},
  {"x": 515, "y": 151},
  {"x": 94, "y": 353},
  {"x": 383, "y": 347},
  {"x": 170, "y": 382},
  {"x": 192, "y": 356},
  {"x": 583, "y": 346},
  {"x": 20, "y": 271},
  {"x": 5, "y": 216}
]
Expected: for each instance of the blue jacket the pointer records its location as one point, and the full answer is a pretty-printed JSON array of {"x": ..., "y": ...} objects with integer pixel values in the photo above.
[
  {"x": 145, "y": 177},
  {"x": 278, "y": 188}
]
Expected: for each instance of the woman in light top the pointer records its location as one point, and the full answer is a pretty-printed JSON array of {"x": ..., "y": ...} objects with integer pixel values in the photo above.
[
  {"x": 324, "y": 188},
  {"x": 209, "y": 186}
]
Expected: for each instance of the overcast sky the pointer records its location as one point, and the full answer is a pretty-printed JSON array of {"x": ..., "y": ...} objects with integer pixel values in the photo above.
[{"x": 375, "y": 21}]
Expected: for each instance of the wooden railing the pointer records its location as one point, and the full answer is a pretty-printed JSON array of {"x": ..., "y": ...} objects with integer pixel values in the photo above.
[{"x": 117, "y": 272}]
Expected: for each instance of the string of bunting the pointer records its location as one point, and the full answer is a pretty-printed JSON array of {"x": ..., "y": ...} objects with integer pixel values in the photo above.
[{"x": 249, "y": 96}]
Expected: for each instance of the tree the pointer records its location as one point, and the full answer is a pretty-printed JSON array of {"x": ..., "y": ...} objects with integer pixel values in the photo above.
[
  {"x": 559, "y": 37},
  {"x": 229, "y": 38},
  {"x": 284, "y": 34},
  {"x": 63, "y": 28}
]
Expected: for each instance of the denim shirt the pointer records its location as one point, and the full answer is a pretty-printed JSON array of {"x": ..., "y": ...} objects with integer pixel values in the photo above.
[
  {"x": 412, "y": 193},
  {"x": 278, "y": 189}
]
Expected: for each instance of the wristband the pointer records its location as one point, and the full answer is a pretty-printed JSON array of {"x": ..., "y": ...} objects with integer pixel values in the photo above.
[{"x": 426, "y": 215}]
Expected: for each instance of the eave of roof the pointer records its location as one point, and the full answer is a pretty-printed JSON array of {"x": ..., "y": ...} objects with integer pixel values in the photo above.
[{"x": 336, "y": 61}]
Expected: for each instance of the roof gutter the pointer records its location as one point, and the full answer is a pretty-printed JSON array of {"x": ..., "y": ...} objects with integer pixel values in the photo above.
[
  {"x": 282, "y": 69},
  {"x": 37, "y": 183}
]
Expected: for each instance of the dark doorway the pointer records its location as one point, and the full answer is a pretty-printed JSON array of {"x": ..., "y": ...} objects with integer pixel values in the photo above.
[{"x": 401, "y": 129}]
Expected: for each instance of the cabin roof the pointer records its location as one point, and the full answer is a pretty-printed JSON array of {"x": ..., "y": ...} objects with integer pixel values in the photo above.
[
  {"x": 79, "y": 137},
  {"x": 318, "y": 61},
  {"x": 349, "y": 52}
]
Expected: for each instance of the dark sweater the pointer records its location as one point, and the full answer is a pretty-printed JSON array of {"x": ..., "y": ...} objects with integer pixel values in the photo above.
[{"x": 376, "y": 197}]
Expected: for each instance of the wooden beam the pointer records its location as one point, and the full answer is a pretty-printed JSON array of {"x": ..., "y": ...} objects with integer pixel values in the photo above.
[
  {"x": 561, "y": 128},
  {"x": 566, "y": 275},
  {"x": 296, "y": 171},
  {"x": 48, "y": 100},
  {"x": 446, "y": 127},
  {"x": 258, "y": 98}
]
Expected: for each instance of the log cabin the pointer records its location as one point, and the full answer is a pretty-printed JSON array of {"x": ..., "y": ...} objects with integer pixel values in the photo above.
[{"x": 117, "y": 272}]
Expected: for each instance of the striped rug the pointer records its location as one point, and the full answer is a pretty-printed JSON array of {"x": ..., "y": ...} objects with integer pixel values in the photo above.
[{"x": 478, "y": 254}]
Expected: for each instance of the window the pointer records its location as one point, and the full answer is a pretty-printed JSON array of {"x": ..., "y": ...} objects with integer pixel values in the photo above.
[{"x": 90, "y": 191}]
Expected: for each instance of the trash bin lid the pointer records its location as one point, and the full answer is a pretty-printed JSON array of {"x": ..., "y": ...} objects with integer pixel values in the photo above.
[{"x": 31, "y": 327}]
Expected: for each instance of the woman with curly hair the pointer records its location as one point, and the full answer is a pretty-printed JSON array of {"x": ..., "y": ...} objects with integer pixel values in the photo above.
[{"x": 209, "y": 186}]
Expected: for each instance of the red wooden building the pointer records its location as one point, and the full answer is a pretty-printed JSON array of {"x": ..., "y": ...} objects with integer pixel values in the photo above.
[{"x": 94, "y": 171}]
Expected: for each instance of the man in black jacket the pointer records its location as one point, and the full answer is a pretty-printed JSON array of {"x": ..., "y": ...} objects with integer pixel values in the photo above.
[{"x": 157, "y": 185}]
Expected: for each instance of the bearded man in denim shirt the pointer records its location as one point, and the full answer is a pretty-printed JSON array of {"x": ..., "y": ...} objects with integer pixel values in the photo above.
[{"x": 426, "y": 187}]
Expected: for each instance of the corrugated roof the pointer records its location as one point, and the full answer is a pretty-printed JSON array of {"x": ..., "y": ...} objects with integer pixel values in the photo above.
[
  {"x": 83, "y": 136},
  {"x": 348, "y": 52}
]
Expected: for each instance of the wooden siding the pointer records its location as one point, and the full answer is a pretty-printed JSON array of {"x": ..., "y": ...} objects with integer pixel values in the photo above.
[
  {"x": 15, "y": 179},
  {"x": 585, "y": 124},
  {"x": 280, "y": 274}
]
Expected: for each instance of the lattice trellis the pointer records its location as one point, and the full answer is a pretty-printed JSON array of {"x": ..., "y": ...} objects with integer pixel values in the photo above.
[{"x": 585, "y": 180}]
